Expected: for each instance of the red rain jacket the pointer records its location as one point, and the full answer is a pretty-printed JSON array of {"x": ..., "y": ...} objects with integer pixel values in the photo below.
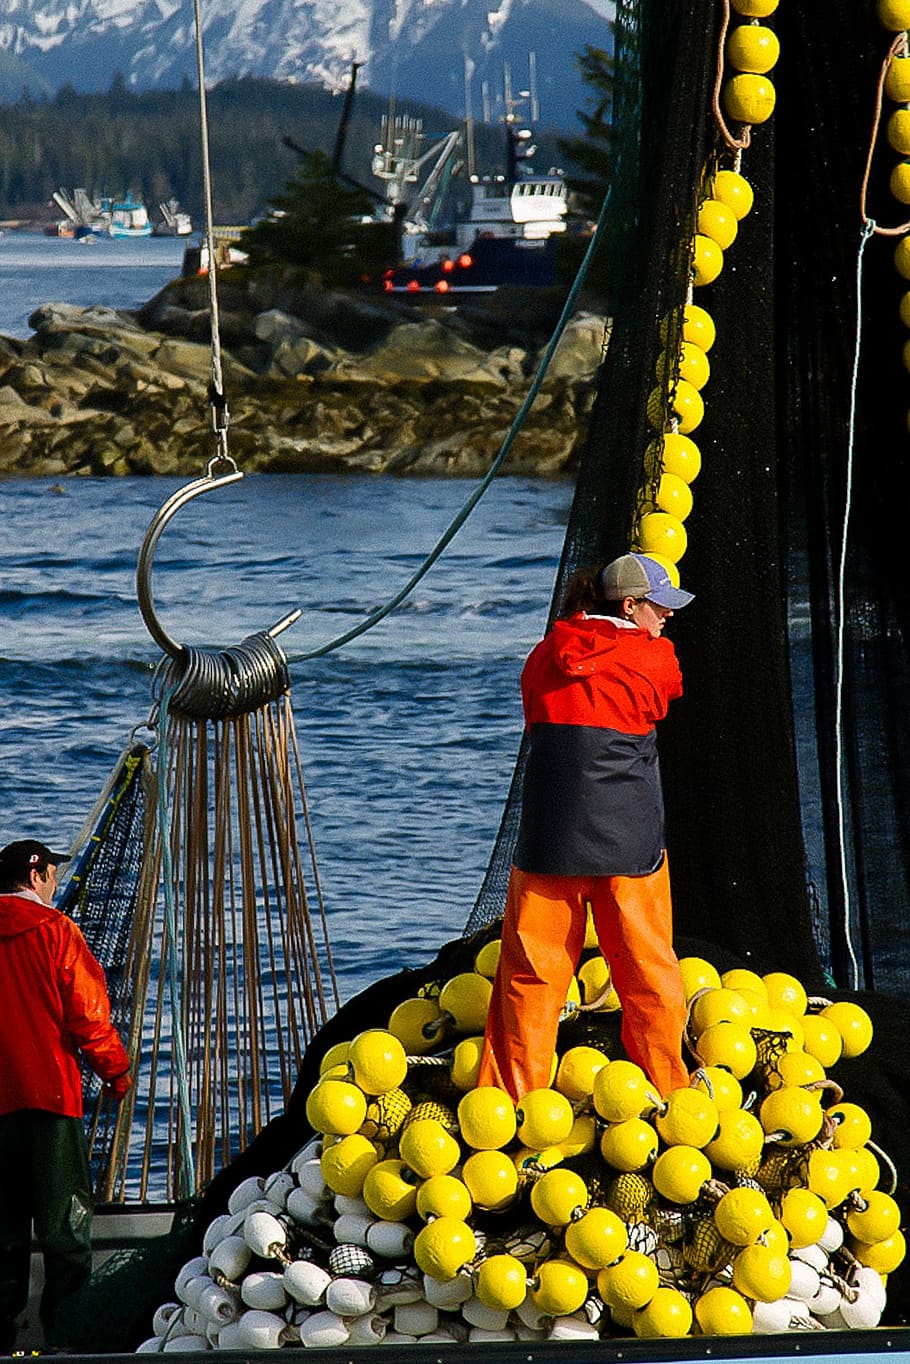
[
  {"x": 55, "y": 1006},
  {"x": 593, "y": 691}
]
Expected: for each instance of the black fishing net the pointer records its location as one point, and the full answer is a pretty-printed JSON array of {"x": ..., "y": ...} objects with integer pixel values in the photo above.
[
  {"x": 771, "y": 502},
  {"x": 818, "y": 229},
  {"x": 103, "y": 880},
  {"x": 734, "y": 848},
  {"x": 101, "y": 893},
  {"x": 784, "y": 465}
]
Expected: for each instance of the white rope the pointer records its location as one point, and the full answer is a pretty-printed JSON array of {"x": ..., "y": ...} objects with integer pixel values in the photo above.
[
  {"x": 218, "y": 400},
  {"x": 868, "y": 230}
]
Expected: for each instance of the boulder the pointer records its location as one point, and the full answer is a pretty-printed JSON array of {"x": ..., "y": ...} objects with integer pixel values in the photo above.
[
  {"x": 421, "y": 353},
  {"x": 581, "y": 348},
  {"x": 314, "y": 380}
]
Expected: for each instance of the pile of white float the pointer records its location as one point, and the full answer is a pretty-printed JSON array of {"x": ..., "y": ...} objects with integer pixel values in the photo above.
[{"x": 591, "y": 1209}]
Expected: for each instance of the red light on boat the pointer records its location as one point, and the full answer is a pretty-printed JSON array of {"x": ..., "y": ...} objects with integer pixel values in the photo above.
[
  {"x": 387, "y": 285},
  {"x": 442, "y": 286},
  {"x": 448, "y": 266},
  {"x": 413, "y": 286},
  {"x": 465, "y": 261}
]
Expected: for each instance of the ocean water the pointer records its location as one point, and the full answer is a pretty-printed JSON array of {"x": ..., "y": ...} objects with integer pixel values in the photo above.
[
  {"x": 408, "y": 735},
  {"x": 35, "y": 269}
]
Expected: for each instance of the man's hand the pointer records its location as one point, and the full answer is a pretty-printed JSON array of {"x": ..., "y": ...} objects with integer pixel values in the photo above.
[{"x": 118, "y": 1087}]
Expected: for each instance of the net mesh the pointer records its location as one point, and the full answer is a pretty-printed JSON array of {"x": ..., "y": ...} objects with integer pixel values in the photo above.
[
  {"x": 102, "y": 894},
  {"x": 102, "y": 886},
  {"x": 788, "y": 844},
  {"x": 817, "y": 329},
  {"x": 745, "y": 790},
  {"x": 726, "y": 858}
]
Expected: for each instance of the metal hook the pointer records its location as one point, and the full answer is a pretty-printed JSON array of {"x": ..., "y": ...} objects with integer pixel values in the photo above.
[{"x": 146, "y": 554}]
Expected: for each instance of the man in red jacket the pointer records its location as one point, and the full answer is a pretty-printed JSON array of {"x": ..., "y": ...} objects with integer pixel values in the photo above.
[
  {"x": 592, "y": 830},
  {"x": 56, "y": 1010}
]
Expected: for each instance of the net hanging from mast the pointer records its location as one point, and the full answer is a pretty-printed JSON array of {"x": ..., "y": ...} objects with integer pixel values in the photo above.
[
  {"x": 220, "y": 971},
  {"x": 193, "y": 889}
]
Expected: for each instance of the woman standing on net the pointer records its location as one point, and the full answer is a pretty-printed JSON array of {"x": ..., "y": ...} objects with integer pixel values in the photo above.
[{"x": 592, "y": 830}]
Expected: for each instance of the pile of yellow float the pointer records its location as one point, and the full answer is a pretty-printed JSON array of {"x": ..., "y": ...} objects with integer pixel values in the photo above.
[{"x": 427, "y": 1208}]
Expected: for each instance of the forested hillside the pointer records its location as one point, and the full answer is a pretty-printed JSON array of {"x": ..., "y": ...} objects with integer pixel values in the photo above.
[{"x": 150, "y": 143}]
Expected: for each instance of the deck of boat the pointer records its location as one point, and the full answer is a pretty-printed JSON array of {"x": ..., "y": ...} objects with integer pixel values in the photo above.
[{"x": 843, "y": 1346}]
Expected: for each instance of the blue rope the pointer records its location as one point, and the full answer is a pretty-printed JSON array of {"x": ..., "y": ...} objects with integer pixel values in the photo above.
[
  {"x": 458, "y": 521},
  {"x": 868, "y": 230},
  {"x": 186, "y": 1171}
]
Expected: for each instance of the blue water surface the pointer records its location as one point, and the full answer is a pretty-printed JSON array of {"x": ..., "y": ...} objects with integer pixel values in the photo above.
[
  {"x": 114, "y": 273},
  {"x": 408, "y": 735}
]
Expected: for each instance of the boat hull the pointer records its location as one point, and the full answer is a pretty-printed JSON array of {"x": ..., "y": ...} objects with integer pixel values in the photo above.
[
  {"x": 489, "y": 263},
  {"x": 116, "y": 1229}
]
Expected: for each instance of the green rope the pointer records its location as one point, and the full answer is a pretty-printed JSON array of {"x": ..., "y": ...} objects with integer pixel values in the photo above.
[{"x": 455, "y": 525}]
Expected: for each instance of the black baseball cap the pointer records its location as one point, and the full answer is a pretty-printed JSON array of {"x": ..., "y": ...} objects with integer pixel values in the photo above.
[{"x": 18, "y": 859}]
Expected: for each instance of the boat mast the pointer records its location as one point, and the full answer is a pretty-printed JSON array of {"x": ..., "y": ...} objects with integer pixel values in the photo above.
[
  {"x": 344, "y": 121},
  {"x": 469, "y": 116}
]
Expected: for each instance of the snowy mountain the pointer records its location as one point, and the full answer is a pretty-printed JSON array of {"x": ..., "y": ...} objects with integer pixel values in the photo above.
[{"x": 418, "y": 48}]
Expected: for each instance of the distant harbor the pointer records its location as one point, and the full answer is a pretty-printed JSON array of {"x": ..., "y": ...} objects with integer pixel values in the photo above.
[{"x": 106, "y": 216}]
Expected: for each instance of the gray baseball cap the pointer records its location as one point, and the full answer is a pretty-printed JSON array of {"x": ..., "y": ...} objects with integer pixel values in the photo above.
[{"x": 638, "y": 575}]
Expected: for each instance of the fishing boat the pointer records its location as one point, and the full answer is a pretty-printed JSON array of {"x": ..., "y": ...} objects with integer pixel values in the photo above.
[
  {"x": 505, "y": 236},
  {"x": 228, "y": 251},
  {"x": 174, "y": 221},
  {"x": 127, "y": 217},
  {"x": 799, "y": 416},
  {"x": 101, "y": 217},
  {"x": 83, "y": 216}
]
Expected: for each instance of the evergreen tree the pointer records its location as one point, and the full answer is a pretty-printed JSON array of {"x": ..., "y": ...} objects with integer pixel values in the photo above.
[
  {"x": 150, "y": 142},
  {"x": 322, "y": 226}
]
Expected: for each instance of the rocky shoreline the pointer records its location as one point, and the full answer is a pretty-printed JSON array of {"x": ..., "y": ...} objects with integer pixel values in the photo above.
[{"x": 316, "y": 381}]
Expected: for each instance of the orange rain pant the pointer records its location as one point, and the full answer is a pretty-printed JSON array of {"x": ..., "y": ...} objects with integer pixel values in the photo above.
[{"x": 542, "y": 940}]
